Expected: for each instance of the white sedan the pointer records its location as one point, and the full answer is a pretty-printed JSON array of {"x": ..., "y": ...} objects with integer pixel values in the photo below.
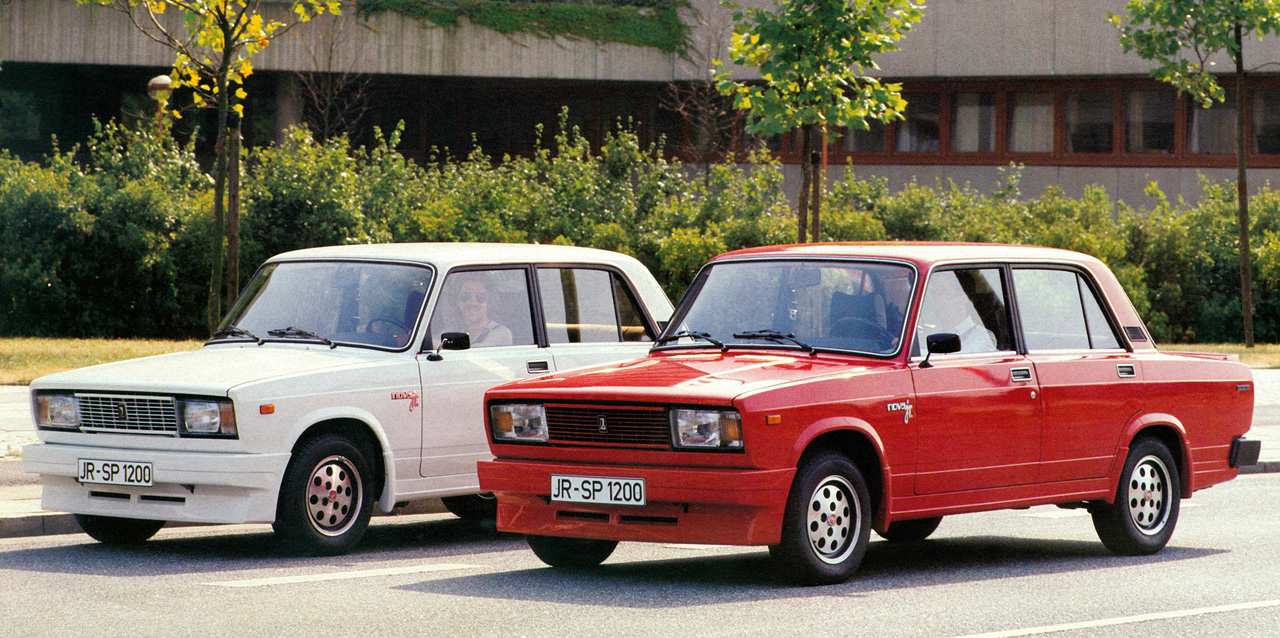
[{"x": 345, "y": 378}]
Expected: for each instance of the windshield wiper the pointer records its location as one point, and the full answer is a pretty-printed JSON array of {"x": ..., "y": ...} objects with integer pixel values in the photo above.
[
  {"x": 230, "y": 332},
  {"x": 691, "y": 335},
  {"x": 775, "y": 336},
  {"x": 299, "y": 333}
]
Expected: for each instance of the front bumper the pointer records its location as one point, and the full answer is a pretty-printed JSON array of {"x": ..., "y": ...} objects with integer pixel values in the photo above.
[
  {"x": 685, "y": 505},
  {"x": 188, "y": 487}
]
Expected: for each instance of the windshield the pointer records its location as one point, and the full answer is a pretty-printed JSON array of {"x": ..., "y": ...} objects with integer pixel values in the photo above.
[
  {"x": 345, "y": 302},
  {"x": 811, "y": 304}
]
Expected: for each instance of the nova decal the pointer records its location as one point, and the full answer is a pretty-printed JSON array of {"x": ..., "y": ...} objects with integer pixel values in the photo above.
[
  {"x": 411, "y": 396},
  {"x": 905, "y": 408}
]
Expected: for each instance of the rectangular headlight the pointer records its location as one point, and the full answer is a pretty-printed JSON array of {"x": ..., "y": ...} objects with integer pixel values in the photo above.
[
  {"x": 518, "y": 422},
  {"x": 209, "y": 417},
  {"x": 57, "y": 411},
  {"x": 707, "y": 429}
]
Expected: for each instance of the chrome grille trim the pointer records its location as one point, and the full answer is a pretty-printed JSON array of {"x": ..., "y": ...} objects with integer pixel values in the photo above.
[
  {"x": 626, "y": 426},
  {"x": 128, "y": 414}
]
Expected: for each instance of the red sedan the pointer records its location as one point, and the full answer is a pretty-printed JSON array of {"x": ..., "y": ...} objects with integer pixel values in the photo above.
[{"x": 803, "y": 396}]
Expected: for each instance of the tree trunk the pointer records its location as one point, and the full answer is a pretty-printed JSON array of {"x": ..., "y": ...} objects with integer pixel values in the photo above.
[
  {"x": 214, "y": 309},
  {"x": 806, "y": 163},
  {"x": 1242, "y": 192},
  {"x": 818, "y": 160},
  {"x": 233, "y": 212}
]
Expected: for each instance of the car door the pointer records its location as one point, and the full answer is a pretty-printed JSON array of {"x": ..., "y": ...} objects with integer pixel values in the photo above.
[
  {"x": 494, "y": 307},
  {"x": 977, "y": 410},
  {"x": 1090, "y": 385},
  {"x": 591, "y": 316}
]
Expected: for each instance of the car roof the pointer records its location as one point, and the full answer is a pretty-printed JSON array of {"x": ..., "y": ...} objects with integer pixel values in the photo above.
[
  {"x": 446, "y": 255},
  {"x": 923, "y": 254}
]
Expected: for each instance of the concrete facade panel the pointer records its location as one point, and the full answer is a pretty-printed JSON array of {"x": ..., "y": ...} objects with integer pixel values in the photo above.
[{"x": 990, "y": 38}]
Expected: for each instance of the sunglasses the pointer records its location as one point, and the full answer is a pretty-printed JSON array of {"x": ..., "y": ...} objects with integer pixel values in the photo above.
[{"x": 476, "y": 297}]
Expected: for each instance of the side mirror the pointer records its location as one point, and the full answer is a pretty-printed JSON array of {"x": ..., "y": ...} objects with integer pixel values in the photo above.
[
  {"x": 451, "y": 341},
  {"x": 462, "y": 341},
  {"x": 941, "y": 343}
]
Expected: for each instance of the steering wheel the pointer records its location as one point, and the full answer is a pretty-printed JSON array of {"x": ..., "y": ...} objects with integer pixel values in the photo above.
[
  {"x": 404, "y": 330},
  {"x": 849, "y": 327}
]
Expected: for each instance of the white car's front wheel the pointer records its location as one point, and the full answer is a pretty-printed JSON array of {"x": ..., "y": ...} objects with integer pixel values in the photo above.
[{"x": 326, "y": 498}]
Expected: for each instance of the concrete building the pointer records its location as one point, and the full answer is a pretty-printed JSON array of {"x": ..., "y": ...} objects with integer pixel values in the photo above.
[{"x": 1042, "y": 83}]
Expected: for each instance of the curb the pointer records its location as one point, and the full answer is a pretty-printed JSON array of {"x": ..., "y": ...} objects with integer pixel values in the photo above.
[
  {"x": 1262, "y": 467},
  {"x": 57, "y": 523}
]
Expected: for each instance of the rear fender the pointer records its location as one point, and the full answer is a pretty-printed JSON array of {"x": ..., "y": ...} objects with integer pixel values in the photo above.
[{"x": 1168, "y": 429}]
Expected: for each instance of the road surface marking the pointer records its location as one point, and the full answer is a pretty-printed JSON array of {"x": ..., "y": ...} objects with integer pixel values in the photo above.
[
  {"x": 364, "y": 573},
  {"x": 1127, "y": 620}
]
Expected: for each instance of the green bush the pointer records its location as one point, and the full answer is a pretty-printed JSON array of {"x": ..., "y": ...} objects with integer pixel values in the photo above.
[{"x": 111, "y": 238}]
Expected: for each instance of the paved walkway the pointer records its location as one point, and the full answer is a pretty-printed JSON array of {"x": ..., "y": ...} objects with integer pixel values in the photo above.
[{"x": 21, "y": 514}]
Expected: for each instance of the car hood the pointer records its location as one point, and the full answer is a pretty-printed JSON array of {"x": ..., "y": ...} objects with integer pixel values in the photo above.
[
  {"x": 212, "y": 370},
  {"x": 690, "y": 376}
]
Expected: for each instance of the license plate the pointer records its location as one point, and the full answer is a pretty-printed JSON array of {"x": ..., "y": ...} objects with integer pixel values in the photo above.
[
  {"x": 114, "y": 472},
  {"x": 597, "y": 489}
]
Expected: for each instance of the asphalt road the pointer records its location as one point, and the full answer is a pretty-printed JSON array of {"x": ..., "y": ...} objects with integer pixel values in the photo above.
[{"x": 1012, "y": 573}]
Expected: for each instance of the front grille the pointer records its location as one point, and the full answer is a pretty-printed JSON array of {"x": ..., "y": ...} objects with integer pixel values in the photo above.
[
  {"x": 623, "y": 426},
  {"x": 128, "y": 414}
]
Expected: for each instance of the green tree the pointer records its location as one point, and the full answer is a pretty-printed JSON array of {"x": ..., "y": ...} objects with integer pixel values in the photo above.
[
  {"x": 213, "y": 46},
  {"x": 1181, "y": 36},
  {"x": 811, "y": 56}
]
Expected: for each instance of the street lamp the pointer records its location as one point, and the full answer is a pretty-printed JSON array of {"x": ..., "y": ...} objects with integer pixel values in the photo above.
[{"x": 158, "y": 89}]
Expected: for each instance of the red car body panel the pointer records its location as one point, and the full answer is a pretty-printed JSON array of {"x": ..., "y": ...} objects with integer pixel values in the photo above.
[{"x": 966, "y": 434}]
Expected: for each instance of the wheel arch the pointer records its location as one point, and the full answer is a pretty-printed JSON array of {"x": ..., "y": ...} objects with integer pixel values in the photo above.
[
  {"x": 856, "y": 440},
  {"x": 1168, "y": 430},
  {"x": 363, "y": 436}
]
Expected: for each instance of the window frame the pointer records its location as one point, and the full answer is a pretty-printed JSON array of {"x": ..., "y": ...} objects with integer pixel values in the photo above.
[{"x": 1083, "y": 277}]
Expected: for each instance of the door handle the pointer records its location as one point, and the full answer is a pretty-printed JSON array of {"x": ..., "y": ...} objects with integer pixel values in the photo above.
[
  {"x": 536, "y": 367},
  {"x": 1126, "y": 370},
  {"x": 1020, "y": 375}
]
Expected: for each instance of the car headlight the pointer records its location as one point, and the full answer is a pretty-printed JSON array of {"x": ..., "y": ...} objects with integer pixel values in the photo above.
[
  {"x": 57, "y": 411},
  {"x": 518, "y": 422},
  {"x": 209, "y": 417},
  {"x": 707, "y": 429}
]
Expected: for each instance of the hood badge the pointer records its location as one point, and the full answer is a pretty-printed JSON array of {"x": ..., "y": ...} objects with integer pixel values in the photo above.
[
  {"x": 905, "y": 408},
  {"x": 603, "y": 424}
]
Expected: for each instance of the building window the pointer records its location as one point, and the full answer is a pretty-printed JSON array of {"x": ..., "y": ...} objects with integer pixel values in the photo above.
[
  {"x": 868, "y": 141},
  {"x": 1212, "y": 130},
  {"x": 19, "y": 116},
  {"x": 1030, "y": 122},
  {"x": 919, "y": 130},
  {"x": 1090, "y": 121},
  {"x": 973, "y": 122},
  {"x": 1149, "y": 122},
  {"x": 1266, "y": 121}
]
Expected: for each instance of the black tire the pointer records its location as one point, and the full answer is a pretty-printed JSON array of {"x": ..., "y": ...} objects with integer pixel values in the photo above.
[
  {"x": 326, "y": 498},
  {"x": 827, "y": 523},
  {"x": 912, "y": 531},
  {"x": 1148, "y": 498},
  {"x": 571, "y": 553},
  {"x": 472, "y": 507},
  {"x": 113, "y": 530}
]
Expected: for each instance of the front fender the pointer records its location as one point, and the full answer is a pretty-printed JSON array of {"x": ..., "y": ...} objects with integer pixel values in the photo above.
[
  {"x": 387, "y": 500},
  {"x": 860, "y": 440}
]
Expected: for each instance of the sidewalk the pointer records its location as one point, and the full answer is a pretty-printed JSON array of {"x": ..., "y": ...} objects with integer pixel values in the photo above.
[{"x": 21, "y": 514}]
